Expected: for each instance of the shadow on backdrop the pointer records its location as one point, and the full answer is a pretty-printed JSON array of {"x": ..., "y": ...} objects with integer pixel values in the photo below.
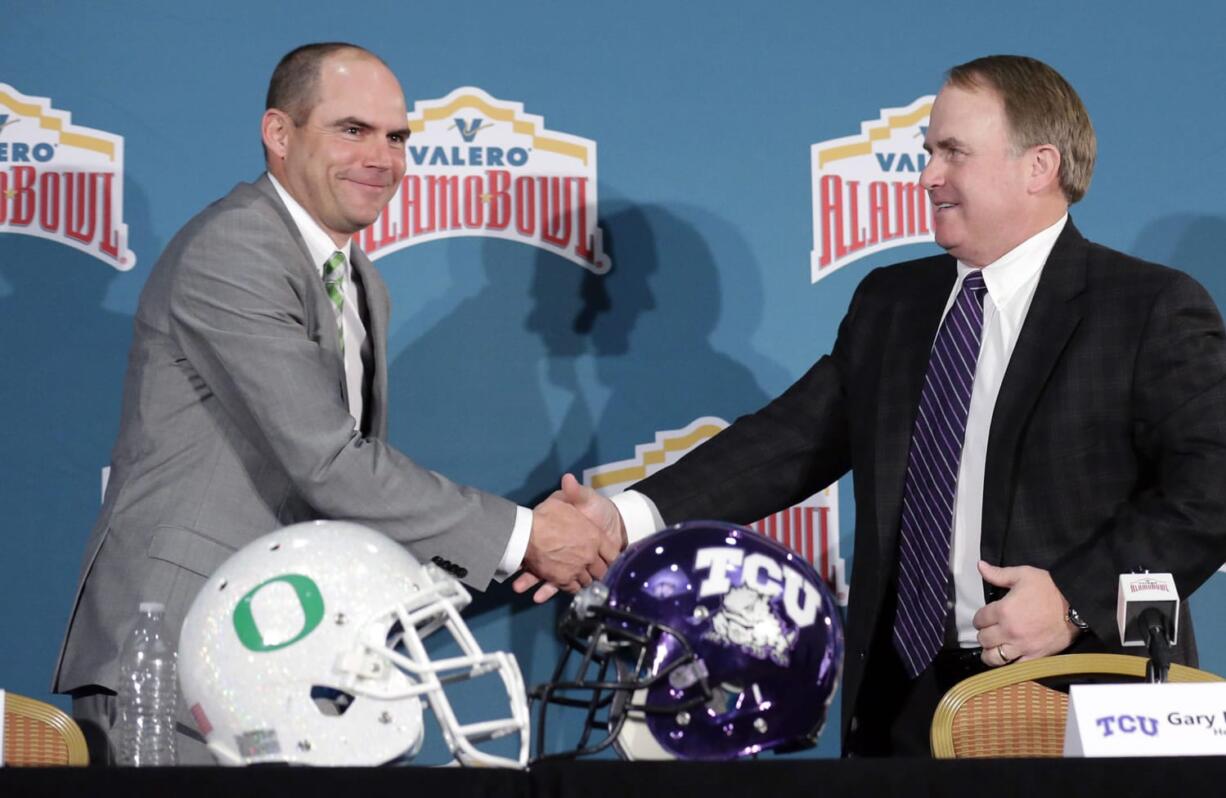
[
  {"x": 486, "y": 394},
  {"x": 503, "y": 391},
  {"x": 655, "y": 346},
  {"x": 1193, "y": 243}
]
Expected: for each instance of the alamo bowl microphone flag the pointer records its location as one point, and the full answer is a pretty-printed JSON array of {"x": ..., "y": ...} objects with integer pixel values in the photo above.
[{"x": 480, "y": 166}]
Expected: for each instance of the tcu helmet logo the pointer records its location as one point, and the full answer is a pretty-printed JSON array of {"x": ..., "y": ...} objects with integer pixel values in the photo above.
[{"x": 748, "y": 617}]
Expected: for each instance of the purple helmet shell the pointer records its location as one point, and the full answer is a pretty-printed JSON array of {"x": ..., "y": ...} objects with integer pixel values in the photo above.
[{"x": 709, "y": 641}]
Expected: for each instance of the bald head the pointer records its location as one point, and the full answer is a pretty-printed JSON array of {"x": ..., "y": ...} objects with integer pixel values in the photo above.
[
  {"x": 334, "y": 135},
  {"x": 294, "y": 86}
]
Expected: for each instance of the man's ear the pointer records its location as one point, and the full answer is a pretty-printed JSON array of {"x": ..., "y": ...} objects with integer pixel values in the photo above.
[
  {"x": 1044, "y": 169},
  {"x": 275, "y": 128}
]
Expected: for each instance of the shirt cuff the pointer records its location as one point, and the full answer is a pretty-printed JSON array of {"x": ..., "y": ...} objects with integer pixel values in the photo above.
[
  {"x": 639, "y": 514},
  {"x": 513, "y": 557}
]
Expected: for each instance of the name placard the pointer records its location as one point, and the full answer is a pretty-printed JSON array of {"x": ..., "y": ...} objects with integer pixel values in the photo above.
[{"x": 1146, "y": 719}]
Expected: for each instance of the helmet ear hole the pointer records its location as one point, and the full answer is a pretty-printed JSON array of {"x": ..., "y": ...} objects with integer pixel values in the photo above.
[
  {"x": 330, "y": 701},
  {"x": 727, "y": 697}
]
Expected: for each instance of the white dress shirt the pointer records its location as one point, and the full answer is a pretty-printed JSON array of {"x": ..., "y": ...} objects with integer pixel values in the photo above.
[
  {"x": 357, "y": 346},
  {"x": 358, "y": 353},
  {"x": 1011, "y": 281}
]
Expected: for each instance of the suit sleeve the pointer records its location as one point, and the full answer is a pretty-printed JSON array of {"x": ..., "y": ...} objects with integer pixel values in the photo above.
[
  {"x": 1175, "y": 521},
  {"x": 240, "y": 313},
  {"x": 773, "y": 458}
]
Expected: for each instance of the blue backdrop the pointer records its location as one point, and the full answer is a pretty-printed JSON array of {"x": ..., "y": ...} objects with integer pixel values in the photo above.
[{"x": 509, "y": 364}]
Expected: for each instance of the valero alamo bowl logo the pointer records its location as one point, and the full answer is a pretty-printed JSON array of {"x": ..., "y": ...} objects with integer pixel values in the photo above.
[
  {"x": 866, "y": 192},
  {"x": 60, "y": 181},
  {"x": 480, "y": 166}
]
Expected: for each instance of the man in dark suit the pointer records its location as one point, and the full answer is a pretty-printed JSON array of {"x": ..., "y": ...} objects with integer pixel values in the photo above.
[
  {"x": 256, "y": 392},
  {"x": 1025, "y": 418}
]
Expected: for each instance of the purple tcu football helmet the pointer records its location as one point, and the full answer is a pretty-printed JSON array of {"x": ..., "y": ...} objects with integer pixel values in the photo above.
[{"x": 703, "y": 641}]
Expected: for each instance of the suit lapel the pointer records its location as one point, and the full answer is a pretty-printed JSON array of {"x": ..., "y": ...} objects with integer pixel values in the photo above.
[
  {"x": 320, "y": 305},
  {"x": 906, "y": 350},
  {"x": 316, "y": 295},
  {"x": 1055, "y": 311},
  {"x": 377, "y": 311},
  {"x": 306, "y": 267}
]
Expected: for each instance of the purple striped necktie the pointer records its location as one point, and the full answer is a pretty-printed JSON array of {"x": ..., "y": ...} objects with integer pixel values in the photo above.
[{"x": 924, "y": 596}]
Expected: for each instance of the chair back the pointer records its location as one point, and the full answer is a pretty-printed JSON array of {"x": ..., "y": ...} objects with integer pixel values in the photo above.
[
  {"x": 1006, "y": 712},
  {"x": 36, "y": 733}
]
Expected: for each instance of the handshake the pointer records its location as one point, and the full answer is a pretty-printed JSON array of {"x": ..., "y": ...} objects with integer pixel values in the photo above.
[{"x": 576, "y": 534}]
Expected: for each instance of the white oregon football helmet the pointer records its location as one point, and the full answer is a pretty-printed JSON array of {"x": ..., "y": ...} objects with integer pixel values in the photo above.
[{"x": 307, "y": 647}]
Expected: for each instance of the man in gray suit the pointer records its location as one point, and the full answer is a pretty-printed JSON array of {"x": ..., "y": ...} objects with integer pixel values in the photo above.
[{"x": 256, "y": 392}]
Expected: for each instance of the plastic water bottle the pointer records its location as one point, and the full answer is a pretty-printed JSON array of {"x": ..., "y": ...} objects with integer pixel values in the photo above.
[{"x": 148, "y": 693}]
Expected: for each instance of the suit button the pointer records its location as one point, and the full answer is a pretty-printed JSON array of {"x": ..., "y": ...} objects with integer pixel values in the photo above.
[
  {"x": 439, "y": 561},
  {"x": 854, "y": 725},
  {"x": 461, "y": 571}
]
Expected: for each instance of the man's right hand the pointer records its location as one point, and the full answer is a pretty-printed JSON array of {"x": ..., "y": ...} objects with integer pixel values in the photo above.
[
  {"x": 565, "y": 550},
  {"x": 596, "y": 509}
]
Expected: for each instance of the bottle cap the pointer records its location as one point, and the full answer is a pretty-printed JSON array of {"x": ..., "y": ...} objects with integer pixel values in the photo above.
[{"x": 152, "y": 606}]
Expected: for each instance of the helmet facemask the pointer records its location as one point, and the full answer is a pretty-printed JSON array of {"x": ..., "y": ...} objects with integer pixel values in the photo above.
[{"x": 614, "y": 647}]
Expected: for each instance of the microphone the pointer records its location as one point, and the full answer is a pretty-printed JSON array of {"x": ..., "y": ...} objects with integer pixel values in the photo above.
[
  {"x": 1147, "y": 613},
  {"x": 1158, "y": 643}
]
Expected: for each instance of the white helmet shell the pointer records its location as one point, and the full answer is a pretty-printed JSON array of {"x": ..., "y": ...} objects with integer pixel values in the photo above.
[{"x": 307, "y": 647}]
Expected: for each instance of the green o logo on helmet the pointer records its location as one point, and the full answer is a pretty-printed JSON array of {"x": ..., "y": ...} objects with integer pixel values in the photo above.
[{"x": 309, "y": 598}]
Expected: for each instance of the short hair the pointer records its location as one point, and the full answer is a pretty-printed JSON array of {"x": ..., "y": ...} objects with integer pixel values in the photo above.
[
  {"x": 1041, "y": 108},
  {"x": 294, "y": 86}
]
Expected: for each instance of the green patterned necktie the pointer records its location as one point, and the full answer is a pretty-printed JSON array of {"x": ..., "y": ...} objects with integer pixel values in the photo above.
[{"x": 334, "y": 284}]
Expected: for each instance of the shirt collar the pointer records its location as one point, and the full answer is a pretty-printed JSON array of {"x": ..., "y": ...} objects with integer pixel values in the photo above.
[
  {"x": 319, "y": 244},
  {"x": 1017, "y": 267}
]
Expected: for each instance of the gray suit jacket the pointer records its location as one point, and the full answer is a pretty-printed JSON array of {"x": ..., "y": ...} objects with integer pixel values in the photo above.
[{"x": 235, "y": 423}]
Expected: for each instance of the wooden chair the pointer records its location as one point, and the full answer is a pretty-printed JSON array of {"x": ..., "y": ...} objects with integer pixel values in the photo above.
[
  {"x": 1006, "y": 712},
  {"x": 36, "y": 734}
]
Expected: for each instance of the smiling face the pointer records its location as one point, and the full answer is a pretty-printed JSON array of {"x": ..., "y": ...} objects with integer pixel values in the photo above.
[
  {"x": 345, "y": 161},
  {"x": 979, "y": 186}
]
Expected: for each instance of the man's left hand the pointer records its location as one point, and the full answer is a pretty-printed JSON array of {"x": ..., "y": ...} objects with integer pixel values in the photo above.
[{"x": 1029, "y": 622}]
